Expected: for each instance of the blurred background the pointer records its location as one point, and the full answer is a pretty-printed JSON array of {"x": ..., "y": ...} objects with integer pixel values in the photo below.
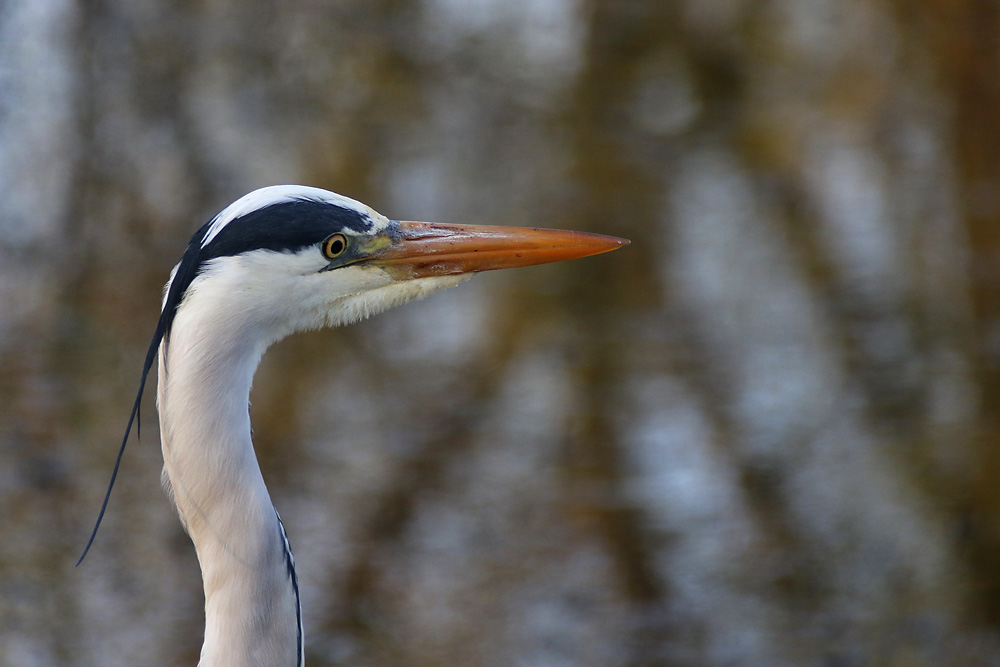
[{"x": 763, "y": 434}]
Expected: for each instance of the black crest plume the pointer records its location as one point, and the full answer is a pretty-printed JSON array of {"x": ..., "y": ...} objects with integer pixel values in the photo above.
[{"x": 187, "y": 270}]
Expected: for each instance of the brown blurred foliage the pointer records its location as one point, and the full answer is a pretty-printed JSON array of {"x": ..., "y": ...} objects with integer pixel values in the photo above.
[{"x": 765, "y": 433}]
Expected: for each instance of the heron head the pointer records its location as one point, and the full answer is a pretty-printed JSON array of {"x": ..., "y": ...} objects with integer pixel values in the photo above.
[{"x": 288, "y": 258}]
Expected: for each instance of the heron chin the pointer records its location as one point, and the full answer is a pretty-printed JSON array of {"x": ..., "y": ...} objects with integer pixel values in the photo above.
[{"x": 279, "y": 260}]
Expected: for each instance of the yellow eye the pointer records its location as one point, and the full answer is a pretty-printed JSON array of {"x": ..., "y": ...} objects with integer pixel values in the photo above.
[{"x": 334, "y": 246}]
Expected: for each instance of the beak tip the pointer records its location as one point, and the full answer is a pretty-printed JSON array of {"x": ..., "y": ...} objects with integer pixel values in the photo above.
[{"x": 614, "y": 242}]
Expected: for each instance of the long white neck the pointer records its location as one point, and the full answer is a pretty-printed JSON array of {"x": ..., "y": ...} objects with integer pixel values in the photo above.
[{"x": 252, "y": 612}]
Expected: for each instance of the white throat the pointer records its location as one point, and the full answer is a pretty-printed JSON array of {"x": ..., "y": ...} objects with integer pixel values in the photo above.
[{"x": 252, "y": 613}]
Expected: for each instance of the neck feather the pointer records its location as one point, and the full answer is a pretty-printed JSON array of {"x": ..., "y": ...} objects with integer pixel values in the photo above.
[{"x": 252, "y": 611}]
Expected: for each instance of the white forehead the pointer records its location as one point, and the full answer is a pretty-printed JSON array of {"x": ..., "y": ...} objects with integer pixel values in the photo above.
[{"x": 277, "y": 194}]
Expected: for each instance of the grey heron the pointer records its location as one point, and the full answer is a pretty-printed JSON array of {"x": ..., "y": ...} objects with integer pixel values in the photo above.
[{"x": 282, "y": 259}]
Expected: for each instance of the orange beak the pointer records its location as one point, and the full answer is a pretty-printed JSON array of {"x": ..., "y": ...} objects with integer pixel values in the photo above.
[{"x": 421, "y": 249}]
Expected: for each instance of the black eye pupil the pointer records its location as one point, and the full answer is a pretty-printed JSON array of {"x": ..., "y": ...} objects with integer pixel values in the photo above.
[{"x": 335, "y": 246}]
